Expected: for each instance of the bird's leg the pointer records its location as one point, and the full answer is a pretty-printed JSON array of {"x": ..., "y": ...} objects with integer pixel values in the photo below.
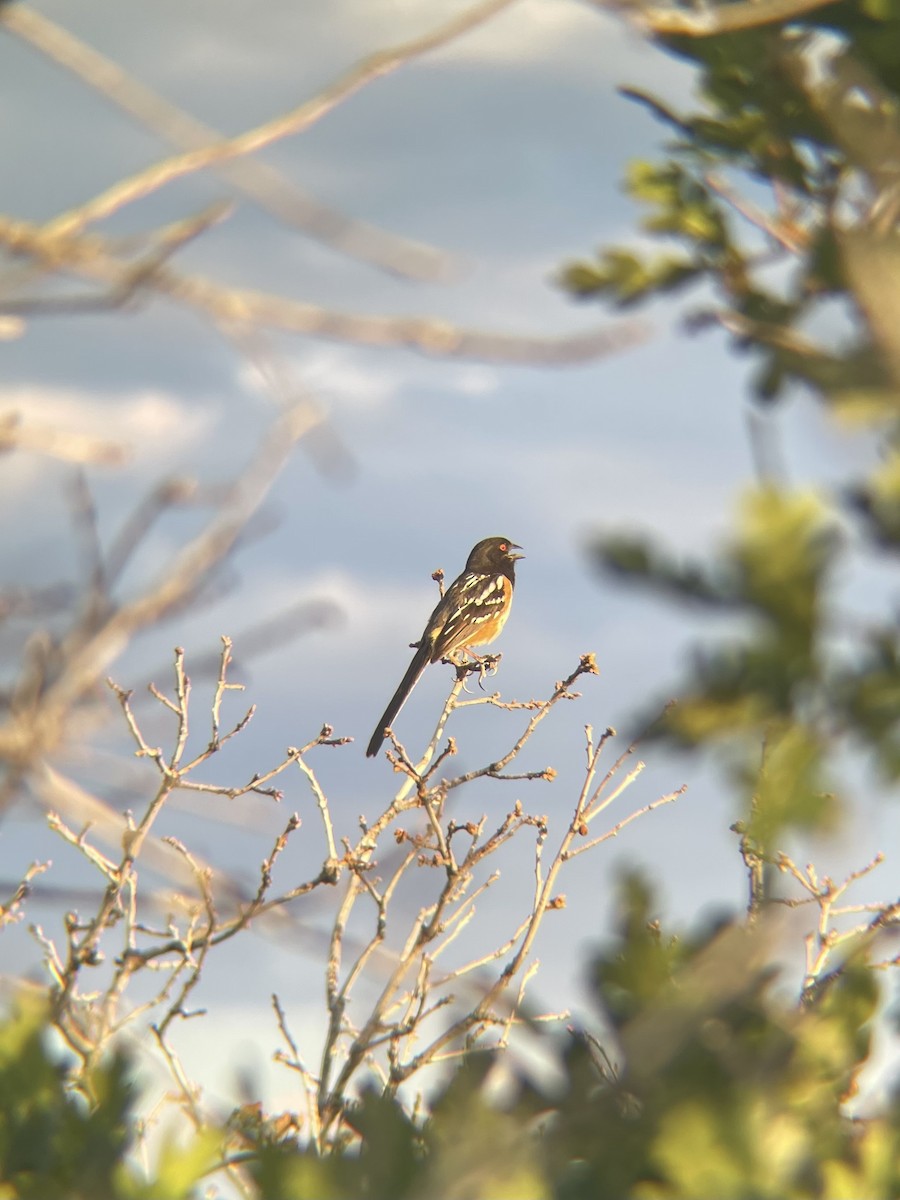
[
  {"x": 487, "y": 665},
  {"x": 484, "y": 664}
]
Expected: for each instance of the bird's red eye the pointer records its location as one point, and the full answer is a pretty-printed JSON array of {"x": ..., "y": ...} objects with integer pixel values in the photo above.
[{"x": 503, "y": 547}]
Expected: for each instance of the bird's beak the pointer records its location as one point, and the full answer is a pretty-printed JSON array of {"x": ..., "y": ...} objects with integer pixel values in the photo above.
[{"x": 514, "y": 557}]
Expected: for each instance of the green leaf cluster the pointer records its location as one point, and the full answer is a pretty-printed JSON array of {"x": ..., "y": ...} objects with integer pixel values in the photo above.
[
  {"x": 54, "y": 1143},
  {"x": 772, "y": 697},
  {"x": 754, "y": 195},
  {"x": 467, "y": 1148},
  {"x": 779, "y": 196},
  {"x": 61, "y": 1144},
  {"x": 708, "y": 1082},
  {"x": 721, "y": 1087}
]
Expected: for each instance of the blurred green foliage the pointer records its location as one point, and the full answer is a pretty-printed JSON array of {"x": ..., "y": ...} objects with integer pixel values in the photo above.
[
  {"x": 714, "y": 1084},
  {"x": 723, "y": 1089},
  {"x": 53, "y": 1143},
  {"x": 787, "y": 112},
  {"x": 778, "y": 202},
  {"x": 769, "y": 697},
  {"x": 57, "y": 1143}
]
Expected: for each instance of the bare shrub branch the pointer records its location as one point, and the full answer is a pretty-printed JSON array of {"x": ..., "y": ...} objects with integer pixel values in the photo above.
[{"x": 420, "y": 1015}]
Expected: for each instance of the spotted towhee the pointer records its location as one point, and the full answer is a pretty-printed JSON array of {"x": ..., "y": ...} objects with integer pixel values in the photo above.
[{"x": 471, "y": 613}]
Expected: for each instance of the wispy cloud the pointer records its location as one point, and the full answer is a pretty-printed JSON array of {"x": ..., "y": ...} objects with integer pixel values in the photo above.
[{"x": 147, "y": 425}]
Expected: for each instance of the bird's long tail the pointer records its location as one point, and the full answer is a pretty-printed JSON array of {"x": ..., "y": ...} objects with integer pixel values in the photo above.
[{"x": 420, "y": 661}]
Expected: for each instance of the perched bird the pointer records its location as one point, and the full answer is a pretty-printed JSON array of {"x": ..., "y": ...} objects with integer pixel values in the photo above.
[{"x": 471, "y": 613}]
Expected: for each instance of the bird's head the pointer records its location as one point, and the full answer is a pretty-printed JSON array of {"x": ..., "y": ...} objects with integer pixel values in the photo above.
[{"x": 493, "y": 554}]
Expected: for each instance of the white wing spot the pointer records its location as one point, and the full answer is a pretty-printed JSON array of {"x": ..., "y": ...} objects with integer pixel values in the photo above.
[{"x": 485, "y": 596}]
